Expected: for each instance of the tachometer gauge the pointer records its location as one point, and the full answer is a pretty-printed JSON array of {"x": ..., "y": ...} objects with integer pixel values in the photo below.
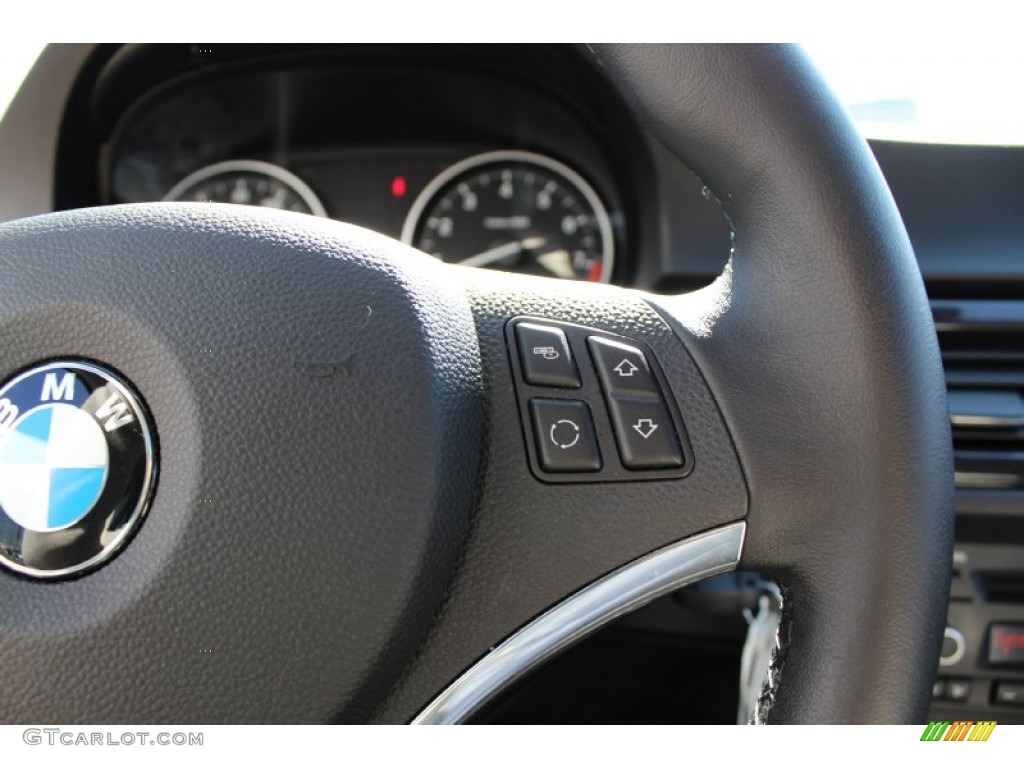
[
  {"x": 248, "y": 182},
  {"x": 517, "y": 211}
]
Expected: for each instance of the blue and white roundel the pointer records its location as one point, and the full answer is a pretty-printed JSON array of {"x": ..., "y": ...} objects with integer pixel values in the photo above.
[
  {"x": 53, "y": 467},
  {"x": 77, "y": 467}
]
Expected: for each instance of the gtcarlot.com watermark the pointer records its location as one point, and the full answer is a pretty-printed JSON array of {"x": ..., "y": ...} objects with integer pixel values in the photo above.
[{"x": 59, "y": 737}]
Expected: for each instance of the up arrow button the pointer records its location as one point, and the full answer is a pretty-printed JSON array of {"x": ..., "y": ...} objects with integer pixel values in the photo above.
[{"x": 623, "y": 368}]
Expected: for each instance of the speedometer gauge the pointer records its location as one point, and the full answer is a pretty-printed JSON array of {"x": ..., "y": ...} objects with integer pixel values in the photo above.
[
  {"x": 517, "y": 211},
  {"x": 248, "y": 182}
]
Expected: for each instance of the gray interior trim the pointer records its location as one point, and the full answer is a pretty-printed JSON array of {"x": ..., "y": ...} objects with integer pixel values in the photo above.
[
  {"x": 28, "y": 132},
  {"x": 628, "y": 588}
]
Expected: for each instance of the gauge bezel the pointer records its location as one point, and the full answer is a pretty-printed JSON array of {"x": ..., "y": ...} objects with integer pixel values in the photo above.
[
  {"x": 583, "y": 187},
  {"x": 276, "y": 172}
]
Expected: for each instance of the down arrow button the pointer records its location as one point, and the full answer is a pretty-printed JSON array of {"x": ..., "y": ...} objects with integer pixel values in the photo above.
[{"x": 644, "y": 432}]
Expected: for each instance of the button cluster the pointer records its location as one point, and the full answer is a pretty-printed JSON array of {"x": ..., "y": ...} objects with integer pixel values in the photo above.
[{"x": 595, "y": 404}]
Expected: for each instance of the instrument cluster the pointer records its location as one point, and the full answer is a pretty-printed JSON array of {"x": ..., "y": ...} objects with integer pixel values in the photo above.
[{"x": 471, "y": 168}]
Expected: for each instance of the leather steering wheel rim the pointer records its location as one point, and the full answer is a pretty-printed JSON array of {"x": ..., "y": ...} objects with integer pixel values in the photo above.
[{"x": 848, "y": 372}]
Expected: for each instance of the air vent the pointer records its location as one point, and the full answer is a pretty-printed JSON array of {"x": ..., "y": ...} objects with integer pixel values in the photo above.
[
  {"x": 982, "y": 346},
  {"x": 1000, "y": 586}
]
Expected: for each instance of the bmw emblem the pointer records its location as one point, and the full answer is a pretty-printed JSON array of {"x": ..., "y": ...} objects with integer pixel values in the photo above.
[{"x": 76, "y": 468}]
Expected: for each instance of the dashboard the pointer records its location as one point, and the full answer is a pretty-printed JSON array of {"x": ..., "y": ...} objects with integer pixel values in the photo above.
[{"x": 523, "y": 158}]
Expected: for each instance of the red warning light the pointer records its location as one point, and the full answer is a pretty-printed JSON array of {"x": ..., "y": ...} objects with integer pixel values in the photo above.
[{"x": 399, "y": 186}]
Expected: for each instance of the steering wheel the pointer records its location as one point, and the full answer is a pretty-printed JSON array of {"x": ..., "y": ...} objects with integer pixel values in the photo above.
[{"x": 376, "y": 501}]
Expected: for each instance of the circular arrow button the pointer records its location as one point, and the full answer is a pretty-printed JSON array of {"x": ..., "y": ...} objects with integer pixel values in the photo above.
[{"x": 565, "y": 433}]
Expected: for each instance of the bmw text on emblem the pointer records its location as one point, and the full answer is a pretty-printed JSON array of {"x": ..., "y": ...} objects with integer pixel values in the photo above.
[{"x": 76, "y": 468}]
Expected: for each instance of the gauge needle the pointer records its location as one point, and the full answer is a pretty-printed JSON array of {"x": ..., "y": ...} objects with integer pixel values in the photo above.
[
  {"x": 558, "y": 262},
  {"x": 502, "y": 251},
  {"x": 276, "y": 200}
]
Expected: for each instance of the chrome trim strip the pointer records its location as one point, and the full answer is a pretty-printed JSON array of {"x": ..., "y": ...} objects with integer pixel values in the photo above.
[
  {"x": 979, "y": 421},
  {"x": 630, "y": 587}
]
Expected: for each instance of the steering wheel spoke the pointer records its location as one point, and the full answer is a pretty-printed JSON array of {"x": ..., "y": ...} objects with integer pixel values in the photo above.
[{"x": 539, "y": 537}]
